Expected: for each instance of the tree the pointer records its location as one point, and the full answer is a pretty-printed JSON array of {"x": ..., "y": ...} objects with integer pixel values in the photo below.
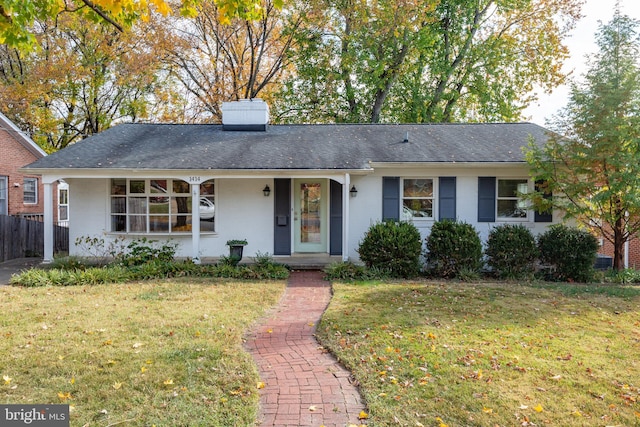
[
  {"x": 595, "y": 165},
  {"x": 426, "y": 61},
  {"x": 84, "y": 77},
  {"x": 17, "y": 16},
  {"x": 240, "y": 60}
]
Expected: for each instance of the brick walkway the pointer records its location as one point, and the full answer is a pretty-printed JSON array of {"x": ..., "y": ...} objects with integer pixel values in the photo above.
[{"x": 304, "y": 385}]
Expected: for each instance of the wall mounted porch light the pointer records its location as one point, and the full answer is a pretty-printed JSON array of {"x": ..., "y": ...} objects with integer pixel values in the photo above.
[
  {"x": 353, "y": 192},
  {"x": 266, "y": 190}
]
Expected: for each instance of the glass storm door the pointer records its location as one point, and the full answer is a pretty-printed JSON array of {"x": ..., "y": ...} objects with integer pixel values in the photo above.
[{"x": 310, "y": 215}]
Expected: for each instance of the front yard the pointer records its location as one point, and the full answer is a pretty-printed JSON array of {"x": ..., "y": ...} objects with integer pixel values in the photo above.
[
  {"x": 425, "y": 353},
  {"x": 164, "y": 353},
  {"x": 490, "y": 354}
]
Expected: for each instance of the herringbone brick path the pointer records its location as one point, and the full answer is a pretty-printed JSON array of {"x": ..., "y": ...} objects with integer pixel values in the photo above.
[{"x": 304, "y": 385}]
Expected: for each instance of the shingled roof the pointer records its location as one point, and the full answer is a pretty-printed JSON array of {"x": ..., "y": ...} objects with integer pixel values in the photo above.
[{"x": 288, "y": 147}]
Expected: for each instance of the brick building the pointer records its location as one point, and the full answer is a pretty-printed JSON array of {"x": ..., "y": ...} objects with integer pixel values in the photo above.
[
  {"x": 633, "y": 260},
  {"x": 21, "y": 194}
]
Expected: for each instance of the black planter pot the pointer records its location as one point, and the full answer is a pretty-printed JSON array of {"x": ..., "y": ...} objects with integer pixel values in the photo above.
[{"x": 235, "y": 253}]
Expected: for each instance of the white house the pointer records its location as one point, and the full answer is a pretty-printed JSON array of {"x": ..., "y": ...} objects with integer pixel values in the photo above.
[{"x": 289, "y": 189}]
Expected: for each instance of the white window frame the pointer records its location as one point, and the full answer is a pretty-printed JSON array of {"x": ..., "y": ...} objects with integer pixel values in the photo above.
[
  {"x": 433, "y": 199},
  {"x": 61, "y": 204},
  {"x": 522, "y": 204},
  {"x": 148, "y": 193},
  {"x": 4, "y": 195},
  {"x": 27, "y": 182}
]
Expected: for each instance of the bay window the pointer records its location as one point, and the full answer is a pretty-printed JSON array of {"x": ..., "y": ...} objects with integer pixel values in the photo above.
[{"x": 158, "y": 206}]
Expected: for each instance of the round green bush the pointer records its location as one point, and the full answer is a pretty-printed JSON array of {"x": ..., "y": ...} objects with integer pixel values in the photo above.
[
  {"x": 511, "y": 251},
  {"x": 571, "y": 251},
  {"x": 453, "y": 247},
  {"x": 392, "y": 247}
]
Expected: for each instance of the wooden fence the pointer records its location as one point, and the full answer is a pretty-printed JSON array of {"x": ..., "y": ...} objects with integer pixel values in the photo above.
[{"x": 21, "y": 237}]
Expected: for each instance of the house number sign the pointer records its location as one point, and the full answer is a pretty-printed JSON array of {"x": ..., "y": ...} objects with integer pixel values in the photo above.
[{"x": 195, "y": 180}]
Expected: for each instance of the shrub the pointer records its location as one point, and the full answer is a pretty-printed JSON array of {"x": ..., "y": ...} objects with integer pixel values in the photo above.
[
  {"x": 511, "y": 251},
  {"x": 144, "y": 251},
  {"x": 346, "y": 271},
  {"x": 570, "y": 251},
  {"x": 453, "y": 247},
  {"x": 392, "y": 246}
]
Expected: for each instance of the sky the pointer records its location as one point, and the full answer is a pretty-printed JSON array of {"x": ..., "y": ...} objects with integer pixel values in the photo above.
[{"x": 580, "y": 43}]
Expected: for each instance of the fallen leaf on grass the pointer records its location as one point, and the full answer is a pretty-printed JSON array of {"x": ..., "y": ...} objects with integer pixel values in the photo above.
[
  {"x": 487, "y": 410},
  {"x": 7, "y": 379},
  {"x": 538, "y": 408},
  {"x": 117, "y": 385},
  {"x": 168, "y": 382},
  {"x": 64, "y": 396},
  {"x": 363, "y": 415}
]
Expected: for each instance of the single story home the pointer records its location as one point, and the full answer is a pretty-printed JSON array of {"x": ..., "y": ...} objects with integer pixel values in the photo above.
[{"x": 290, "y": 190}]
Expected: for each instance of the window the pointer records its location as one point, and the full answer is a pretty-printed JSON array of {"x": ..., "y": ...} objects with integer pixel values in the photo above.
[
  {"x": 30, "y": 191},
  {"x": 63, "y": 204},
  {"x": 158, "y": 206},
  {"x": 417, "y": 198},
  {"x": 509, "y": 203},
  {"x": 3, "y": 195}
]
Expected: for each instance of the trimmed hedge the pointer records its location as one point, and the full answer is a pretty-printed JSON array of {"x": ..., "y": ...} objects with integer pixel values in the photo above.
[
  {"x": 453, "y": 248},
  {"x": 570, "y": 251},
  {"x": 393, "y": 248},
  {"x": 511, "y": 251}
]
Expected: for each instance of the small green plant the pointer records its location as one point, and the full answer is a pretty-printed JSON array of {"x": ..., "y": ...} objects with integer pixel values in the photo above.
[
  {"x": 511, "y": 251},
  {"x": 451, "y": 247},
  {"x": 237, "y": 242},
  {"x": 101, "y": 250},
  {"x": 346, "y": 271},
  {"x": 570, "y": 251},
  {"x": 142, "y": 251},
  {"x": 392, "y": 246}
]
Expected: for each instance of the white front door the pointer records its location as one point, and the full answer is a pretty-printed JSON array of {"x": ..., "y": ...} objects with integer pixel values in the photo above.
[{"x": 310, "y": 215}]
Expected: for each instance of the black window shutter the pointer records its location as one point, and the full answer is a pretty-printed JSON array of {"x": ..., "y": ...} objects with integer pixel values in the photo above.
[
  {"x": 447, "y": 198},
  {"x": 390, "y": 198},
  {"x": 487, "y": 199},
  {"x": 546, "y": 216}
]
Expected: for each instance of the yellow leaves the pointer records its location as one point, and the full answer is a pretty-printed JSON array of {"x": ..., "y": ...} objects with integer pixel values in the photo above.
[
  {"x": 7, "y": 379},
  {"x": 538, "y": 408},
  {"x": 143, "y": 369},
  {"x": 576, "y": 413},
  {"x": 107, "y": 342},
  {"x": 162, "y": 7},
  {"x": 72, "y": 381},
  {"x": 259, "y": 385},
  {"x": 168, "y": 381},
  {"x": 363, "y": 415},
  {"x": 487, "y": 410},
  {"x": 269, "y": 331},
  {"x": 116, "y": 385},
  {"x": 440, "y": 422},
  {"x": 64, "y": 396}
]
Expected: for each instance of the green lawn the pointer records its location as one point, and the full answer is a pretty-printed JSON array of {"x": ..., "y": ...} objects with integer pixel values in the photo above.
[
  {"x": 490, "y": 354},
  {"x": 164, "y": 353}
]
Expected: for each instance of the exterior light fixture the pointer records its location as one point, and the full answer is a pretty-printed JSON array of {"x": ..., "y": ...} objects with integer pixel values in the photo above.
[
  {"x": 266, "y": 191},
  {"x": 353, "y": 192}
]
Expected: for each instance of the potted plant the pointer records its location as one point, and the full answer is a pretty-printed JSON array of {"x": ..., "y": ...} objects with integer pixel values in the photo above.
[{"x": 235, "y": 249}]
